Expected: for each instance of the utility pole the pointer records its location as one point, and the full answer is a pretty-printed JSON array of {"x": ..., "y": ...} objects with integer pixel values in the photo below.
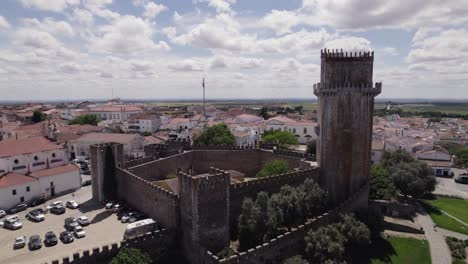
[{"x": 204, "y": 106}]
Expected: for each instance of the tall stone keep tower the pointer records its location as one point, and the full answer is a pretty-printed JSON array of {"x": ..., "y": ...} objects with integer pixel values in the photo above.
[{"x": 346, "y": 105}]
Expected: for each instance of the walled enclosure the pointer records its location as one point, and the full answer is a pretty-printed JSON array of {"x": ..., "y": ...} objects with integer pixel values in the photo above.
[
  {"x": 248, "y": 161},
  {"x": 163, "y": 205}
]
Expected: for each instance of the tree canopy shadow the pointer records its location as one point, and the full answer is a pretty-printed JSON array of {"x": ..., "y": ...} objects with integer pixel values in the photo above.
[{"x": 379, "y": 249}]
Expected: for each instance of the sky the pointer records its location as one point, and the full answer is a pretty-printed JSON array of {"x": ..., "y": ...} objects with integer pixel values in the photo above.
[{"x": 142, "y": 49}]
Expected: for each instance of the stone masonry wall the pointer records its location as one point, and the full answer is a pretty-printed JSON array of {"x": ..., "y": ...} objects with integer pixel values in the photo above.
[
  {"x": 248, "y": 161},
  {"x": 148, "y": 243},
  {"x": 158, "y": 203},
  {"x": 290, "y": 243}
]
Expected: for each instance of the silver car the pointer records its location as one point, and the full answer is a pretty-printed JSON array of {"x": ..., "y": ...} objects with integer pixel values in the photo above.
[
  {"x": 20, "y": 242},
  {"x": 13, "y": 224}
]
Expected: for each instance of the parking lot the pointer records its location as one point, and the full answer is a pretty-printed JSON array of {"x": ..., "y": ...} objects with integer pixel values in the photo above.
[
  {"x": 104, "y": 229},
  {"x": 449, "y": 187}
]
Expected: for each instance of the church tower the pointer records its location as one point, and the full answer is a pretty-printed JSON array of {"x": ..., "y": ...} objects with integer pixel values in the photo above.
[{"x": 346, "y": 105}]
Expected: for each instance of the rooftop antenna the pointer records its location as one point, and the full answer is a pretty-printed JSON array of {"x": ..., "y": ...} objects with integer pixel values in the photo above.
[{"x": 204, "y": 106}]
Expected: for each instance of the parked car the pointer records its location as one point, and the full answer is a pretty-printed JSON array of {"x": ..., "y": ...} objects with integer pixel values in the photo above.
[
  {"x": 20, "y": 242},
  {"x": 35, "y": 242},
  {"x": 66, "y": 237},
  {"x": 50, "y": 239},
  {"x": 13, "y": 223},
  {"x": 58, "y": 210},
  {"x": 116, "y": 207},
  {"x": 83, "y": 220},
  {"x": 37, "y": 201},
  {"x": 2, "y": 213},
  {"x": 72, "y": 204},
  {"x": 462, "y": 178},
  {"x": 54, "y": 204},
  {"x": 126, "y": 217},
  {"x": 20, "y": 207},
  {"x": 36, "y": 215},
  {"x": 71, "y": 223},
  {"x": 79, "y": 232},
  {"x": 109, "y": 205},
  {"x": 86, "y": 183}
]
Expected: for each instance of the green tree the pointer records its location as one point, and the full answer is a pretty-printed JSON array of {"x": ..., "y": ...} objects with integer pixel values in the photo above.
[
  {"x": 275, "y": 217},
  {"x": 410, "y": 176},
  {"x": 128, "y": 255},
  {"x": 380, "y": 184},
  {"x": 356, "y": 233},
  {"x": 264, "y": 113},
  {"x": 312, "y": 147},
  {"x": 296, "y": 260},
  {"x": 85, "y": 120},
  {"x": 413, "y": 178},
  {"x": 215, "y": 136},
  {"x": 284, "y": 139},
  {"x": 38, "y": 116},
  {"x": 274, "y": 167},
  {"x": 325, "y": 243},
  {"x": 314, "y": 197},
  {"x": 248, "y": 225}
]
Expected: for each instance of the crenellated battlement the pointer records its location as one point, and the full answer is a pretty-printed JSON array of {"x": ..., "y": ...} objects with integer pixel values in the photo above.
[
  {"x": 104, "y": 253},
  {"x": 364, "y": 88},
  {"x": 281, "y": 178},
  {"x": 154, "y": 187},
  {"x": 222, "y": 147},
  {"x": 336, "y": 54}
]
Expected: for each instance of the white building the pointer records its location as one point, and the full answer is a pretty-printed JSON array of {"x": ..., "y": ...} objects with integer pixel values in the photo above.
[
  {"x": 133, "y": 143},
  {"x": 303, "y": 130},
  {"x": 34, "y": 167},
  {"x": 113, "y": 112},
  {"x": 180, "y": 128},
  {"x": 143, "y": 122},
  {"x": 378, "y": 148}
]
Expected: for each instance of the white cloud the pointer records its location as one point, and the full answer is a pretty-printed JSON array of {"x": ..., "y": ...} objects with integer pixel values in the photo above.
[
  {"x": 69, "y": 67},
  {"x": 35, "y": 38},
  {"x": 449, "y": 45},
  {"x": 186, "y": 66},
  {"x": 152, "y": 9},
  {"x": 221, "y": 6},
  {"x": 50, "y": 25},
  {"x": 50, "y": 5},
  {"x": 218, "y": 63},
  {"x": 127, "y": 34},
  {"x": 4, "y": 23},
  {"x": 281, "y": 21}
]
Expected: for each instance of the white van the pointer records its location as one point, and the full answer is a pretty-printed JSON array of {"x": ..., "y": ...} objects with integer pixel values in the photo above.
[{"x": 139, "y": 228}]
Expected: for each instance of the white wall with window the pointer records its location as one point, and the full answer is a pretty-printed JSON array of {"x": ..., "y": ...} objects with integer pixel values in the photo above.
[{"x": 10, "y": 196}]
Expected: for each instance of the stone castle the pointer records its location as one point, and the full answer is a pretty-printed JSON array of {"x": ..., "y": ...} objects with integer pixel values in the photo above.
[{"x": 201, "y": 204}]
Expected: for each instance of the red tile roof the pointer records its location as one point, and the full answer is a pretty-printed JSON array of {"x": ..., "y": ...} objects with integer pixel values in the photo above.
[
  {"x": 55, "y": 171},
  {"x": 12, "y": 179},
  {"x": 14, "y": 147}
]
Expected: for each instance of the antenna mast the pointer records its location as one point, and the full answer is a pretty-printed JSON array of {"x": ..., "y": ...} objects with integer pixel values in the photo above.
[{"x": 204, "y": 106}]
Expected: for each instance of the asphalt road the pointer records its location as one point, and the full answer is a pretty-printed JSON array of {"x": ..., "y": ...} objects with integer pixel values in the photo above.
[{"x": 104, "y": 229}]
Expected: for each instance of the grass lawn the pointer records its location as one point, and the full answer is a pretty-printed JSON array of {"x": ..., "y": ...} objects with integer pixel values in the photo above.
[
  {"x": 444, "y": 221},
  {"x": 453, "y": 206},
  {"x": 396, "y": 250}
]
